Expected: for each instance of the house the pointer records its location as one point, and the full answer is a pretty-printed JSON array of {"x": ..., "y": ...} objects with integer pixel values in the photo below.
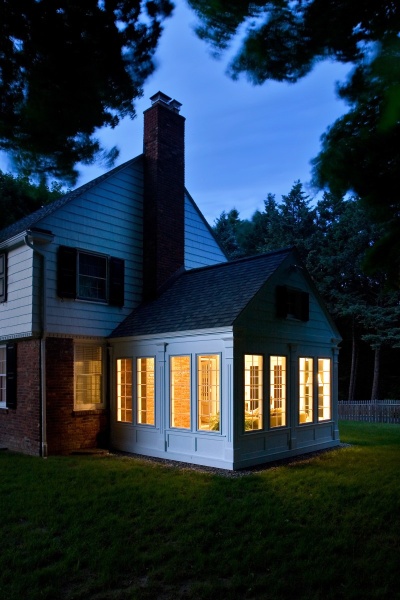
[{"x": 123, "y": 325}]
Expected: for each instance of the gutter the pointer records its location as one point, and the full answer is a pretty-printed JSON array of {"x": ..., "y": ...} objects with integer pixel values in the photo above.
[{"x": 42, "y": 238}]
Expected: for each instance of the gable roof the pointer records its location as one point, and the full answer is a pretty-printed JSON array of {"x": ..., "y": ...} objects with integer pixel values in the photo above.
[
  {"x": 203, "y": 298},
  {"x": 32, "y": 219}
]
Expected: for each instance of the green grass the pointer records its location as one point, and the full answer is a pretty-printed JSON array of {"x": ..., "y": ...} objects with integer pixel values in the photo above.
[{"x": 112, "y": 528}]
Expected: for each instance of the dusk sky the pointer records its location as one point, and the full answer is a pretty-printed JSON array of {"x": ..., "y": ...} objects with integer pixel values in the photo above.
[{"x": 242, "y": 141}]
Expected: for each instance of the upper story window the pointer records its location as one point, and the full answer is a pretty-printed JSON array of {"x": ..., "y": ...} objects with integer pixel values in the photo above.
[
  {"x": 292, "y": 303},
  {"x": 90, "y": 276},
  {"x": 3, "y": 277}
]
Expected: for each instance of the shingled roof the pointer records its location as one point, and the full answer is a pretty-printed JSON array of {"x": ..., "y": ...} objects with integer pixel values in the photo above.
[
  {"x": 32, "y": 219},
  {"x": 203, "y": 298}
]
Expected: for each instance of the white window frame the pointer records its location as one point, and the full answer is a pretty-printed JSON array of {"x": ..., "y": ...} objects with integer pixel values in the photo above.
[
  {"x": 124, "y": 389},
  {"x": 140, "y": 397},
  {"x": 78, "y": 406},
  {"x": 214, "y": 392},
  {"x": 81, "y": 254}
]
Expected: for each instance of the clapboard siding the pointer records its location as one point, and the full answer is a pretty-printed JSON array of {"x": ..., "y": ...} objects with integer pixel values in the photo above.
[
  {"x": 16, "y": 315},
  {"x": 260, "y": 321},
  {"x": 106, "y": 219},
  {"x": 201, "y": 248}
]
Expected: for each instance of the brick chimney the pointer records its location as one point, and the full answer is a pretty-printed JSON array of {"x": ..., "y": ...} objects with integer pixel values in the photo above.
[{"x": 164, "y": 189}]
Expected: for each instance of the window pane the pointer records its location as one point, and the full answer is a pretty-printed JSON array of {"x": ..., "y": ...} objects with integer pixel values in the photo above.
[
  {"x": 208, "y": 392},
  {"x": 92, "y": 277},
  {"x": 124, "y": 389},
  {"x": 277, "y": 392},
  {"x": 145, "y": 391},
  {"x": 3, "y": 373},
  {"x": 180, "y": 391},
  {"x": 306, "y": 390},
  {"x": 88, "y": 375},
  {"x": 253, "y": 392},
  {"x": 324, "y": 389}
]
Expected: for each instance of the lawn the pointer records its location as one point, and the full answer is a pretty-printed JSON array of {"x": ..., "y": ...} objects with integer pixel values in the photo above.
[{"x": 114, "y": 527}]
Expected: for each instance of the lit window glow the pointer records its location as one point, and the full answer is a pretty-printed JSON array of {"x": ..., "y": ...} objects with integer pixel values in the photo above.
[
  {"x": 88, "y": 376},
  {"x": 277, "y": 382},
  {"x": 306, "y": 390},
  {"x": 145, "y": 391},
  {"x": 208, "y": 392},
  {"x": 253, "y": 392},
  {"x": 324, "y": 389},
  {"x": 124, "y": 390},
  {"x": 180, "y": 392}
]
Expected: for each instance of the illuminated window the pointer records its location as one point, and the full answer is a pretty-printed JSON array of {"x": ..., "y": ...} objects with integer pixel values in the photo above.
[
  {"x": 88, "y": 367},
  {"x": 180, "y": 392},
  {"x": 124, "y": 390},
  {"x": 306, "y": 390},
  {"x": 253, "y": 392},
  {"x": 145, "y": 391},
  {"x": 277, "y": 391},
  {"x": 324, "y": 389},
  {"x": 208, "y": 392},
  {"x": 3, "y": 376}
]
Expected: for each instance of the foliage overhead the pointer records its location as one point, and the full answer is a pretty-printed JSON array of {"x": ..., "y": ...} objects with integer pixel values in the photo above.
[
  {"x": 19, "y": 197},
  {"x": 68, "y": 68},
  {"x": 283, "y": 40}
]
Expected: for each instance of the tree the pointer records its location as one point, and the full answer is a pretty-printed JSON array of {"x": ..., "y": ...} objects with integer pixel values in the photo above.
[
  {"x": 68, "y": 68},
  {"x": 283, "y": 40},
  {"x": 226, "y": 229},
  {"x": 19, "y": 197}
]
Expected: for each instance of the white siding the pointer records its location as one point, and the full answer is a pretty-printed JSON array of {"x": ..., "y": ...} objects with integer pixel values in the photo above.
[
  {"x": 201, "y": 248},
  {"x": 105, "y": 219},
  {"x": 16, "y": 318}
]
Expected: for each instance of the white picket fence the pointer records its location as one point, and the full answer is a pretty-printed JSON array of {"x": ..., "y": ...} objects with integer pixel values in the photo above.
[{"x": 371, "y": 411}]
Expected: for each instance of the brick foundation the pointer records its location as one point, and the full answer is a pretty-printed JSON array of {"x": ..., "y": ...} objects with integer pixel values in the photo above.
[
  {"x": 69, "y": 430},
  {"x": 20, "y": 427}
]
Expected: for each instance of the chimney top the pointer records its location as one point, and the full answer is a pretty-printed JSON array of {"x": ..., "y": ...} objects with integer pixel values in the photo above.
[{"x": 161, "y": 98}]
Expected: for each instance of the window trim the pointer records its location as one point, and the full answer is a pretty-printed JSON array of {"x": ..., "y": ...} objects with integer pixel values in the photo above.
[
  {"x": 3, "y": 377},
  {"x": 78, "y": 407},
  {"x": 136, "y": 384},
  {"x": 218, "y": 386},
  {"x": 285, "y": 384},
  {"x": 68, "y": 276},
  {"x": 119, "y": 396},
  {"x": 287, "y": 297},
  {"x": 260, "y": 388},
  {"x": 3, "y": 276},
  {"x": 171, "y": 397}
]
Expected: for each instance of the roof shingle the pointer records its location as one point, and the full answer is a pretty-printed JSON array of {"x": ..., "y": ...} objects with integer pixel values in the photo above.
[{"x": 203, "y": 298}]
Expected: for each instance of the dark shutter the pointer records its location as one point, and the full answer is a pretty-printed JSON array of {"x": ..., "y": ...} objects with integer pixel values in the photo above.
[
  {"x": 281, "y": 301},
  {"x": 3, "y": 277},
  {"x": 305, "y": 306},
  {"x": 11, "y": 377},
  {"x": 116, "y": 281},
  {"x": 66, "y": 272}
]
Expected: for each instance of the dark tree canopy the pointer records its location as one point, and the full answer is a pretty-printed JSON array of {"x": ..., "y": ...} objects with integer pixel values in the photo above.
[
  {"x": 283, "y": 40},
  {"x": 66, "y": 69}
]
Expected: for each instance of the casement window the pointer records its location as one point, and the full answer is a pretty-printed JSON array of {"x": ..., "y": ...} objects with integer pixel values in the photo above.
[
  {"x": 145, "y": 391},
  {"x": 324, "y": 389},
  {"x": 306, "y": 385},
  {"x": 88, "y": 372},
  {"x": 180, "y": 391},
  {"x": 292, "y": 303},
  {"x": 277, "y": 393},
  {"x": 208, "y": 390},
  {"x": 3, "y": 277},
  {"x": 90, "y": 276},
  {"x": 253, "y": 392},
  {"x": 124, "y": 389}
]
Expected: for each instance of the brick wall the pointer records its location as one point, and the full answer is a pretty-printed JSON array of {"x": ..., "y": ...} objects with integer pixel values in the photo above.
[
  {"x": 164, "y": 189},
  {"x": 69, "y": 430},
  {"x": 20, "y": 427}
]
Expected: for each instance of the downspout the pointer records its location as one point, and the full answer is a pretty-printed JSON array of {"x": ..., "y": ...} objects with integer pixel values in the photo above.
[{"x": 43, "y": 329}]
